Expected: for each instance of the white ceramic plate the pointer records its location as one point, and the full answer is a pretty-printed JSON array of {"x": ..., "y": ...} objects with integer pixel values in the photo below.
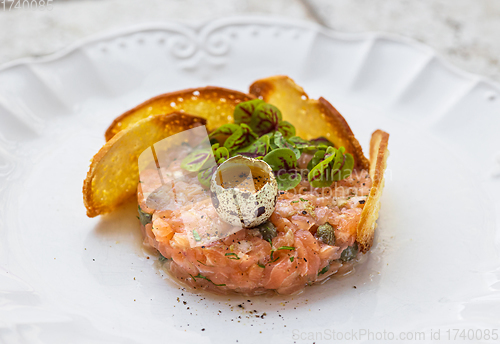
[{"x": 67, "y": 278}]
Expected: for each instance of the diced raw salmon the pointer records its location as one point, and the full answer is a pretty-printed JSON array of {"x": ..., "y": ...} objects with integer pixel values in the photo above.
[{"x": 244, "y": 262}]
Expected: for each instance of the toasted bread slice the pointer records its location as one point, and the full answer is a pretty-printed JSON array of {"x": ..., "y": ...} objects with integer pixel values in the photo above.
[
  {"x": 378, "y": 163},
  {"x": 311, "y": 118},
  {"x": 216, "y": 104},
  {"x": 114, "y": 174}
]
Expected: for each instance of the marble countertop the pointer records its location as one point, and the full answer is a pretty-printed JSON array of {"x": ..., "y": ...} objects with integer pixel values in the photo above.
[{"x": 465, "y": 32}]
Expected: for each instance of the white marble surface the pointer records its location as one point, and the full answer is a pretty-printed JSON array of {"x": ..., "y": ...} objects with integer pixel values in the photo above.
[{"x": 464, "y": 31}]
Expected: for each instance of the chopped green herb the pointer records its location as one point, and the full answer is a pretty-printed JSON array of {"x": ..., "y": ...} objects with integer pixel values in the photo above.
[
  {"x": 196, "y": 235},
  {"x": 324, "y": 270},
  {"x": 261, "y": 265},
  {"x": 206, "y": 278},
  {"x": 304, "y": 200},
  {"x": 294, "y": 202},
  {"x": 289, "y": 248},
  {"x": 292, "y": 258},
  {"x": 232, "y": 256}
]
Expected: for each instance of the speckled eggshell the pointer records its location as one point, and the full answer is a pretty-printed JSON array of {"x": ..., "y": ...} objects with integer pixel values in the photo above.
[{"x": 243, "y": 208}]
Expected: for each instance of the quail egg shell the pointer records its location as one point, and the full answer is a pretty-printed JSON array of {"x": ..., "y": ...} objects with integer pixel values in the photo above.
[{"x": 244, "y": 191}]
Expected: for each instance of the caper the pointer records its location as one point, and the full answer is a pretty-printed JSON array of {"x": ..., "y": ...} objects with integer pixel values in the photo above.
[
  {"x": 349, "y": 253},
  {"x": 326, "y": 233},
  {"x": 144, "y": 217},
  {"x": 267, "y": 230}
]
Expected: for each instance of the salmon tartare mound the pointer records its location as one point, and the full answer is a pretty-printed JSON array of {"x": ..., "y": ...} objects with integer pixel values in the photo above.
[{"x": 313, "y": 236}]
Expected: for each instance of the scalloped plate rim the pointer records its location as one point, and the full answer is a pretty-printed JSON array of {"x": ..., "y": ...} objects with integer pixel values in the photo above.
[{"x": 261, "y": 19}]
